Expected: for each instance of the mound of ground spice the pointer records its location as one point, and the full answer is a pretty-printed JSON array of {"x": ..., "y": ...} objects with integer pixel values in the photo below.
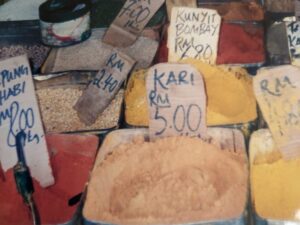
[
  {"x": 72, "y": 157},
  {"x": 230, "y": 97},
  {"x": 240, "y": 11},
  {"x": 241, "y": 44},
  {"x": 170, "y": 180},
  {"x": 274, "y": 181},
  {"x": 282, "y": 6}
]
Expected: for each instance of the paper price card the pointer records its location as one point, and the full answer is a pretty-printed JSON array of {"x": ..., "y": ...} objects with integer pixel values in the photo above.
[
  {"x": 131, "y": 21},
  {"x": 103, "y": 88},
  {"x": 194, "y": 33},
  {"x": 278, "y": 94},
  {"x": 19, "y": 112},
  {"x": 293, "y": 33},
  {"x": 176, "y": 100},
  {"x": 297, "y": 9},
  {"x": 172, "y": 3}
]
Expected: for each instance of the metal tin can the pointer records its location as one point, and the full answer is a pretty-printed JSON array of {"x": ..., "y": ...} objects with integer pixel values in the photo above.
[{"x": 63, "y": 24}]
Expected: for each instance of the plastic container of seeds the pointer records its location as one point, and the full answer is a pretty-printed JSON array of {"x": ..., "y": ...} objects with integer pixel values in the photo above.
[{"x": 230, "y": 139}]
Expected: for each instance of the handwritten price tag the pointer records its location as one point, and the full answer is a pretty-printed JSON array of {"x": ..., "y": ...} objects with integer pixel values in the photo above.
[
  {"x": 177, "y": 101},
  {"x": 172, "y": 3},
  {"x": 293, "y": 33},
  {"x": 194, "y": 33},
  {"x": 103, "y": 87},
  {"x": 19, "y": 111},
  {"x": 131, "y": 21},
  {"x": 297, "y": 9},
  {"x": 278, "y": 93}
]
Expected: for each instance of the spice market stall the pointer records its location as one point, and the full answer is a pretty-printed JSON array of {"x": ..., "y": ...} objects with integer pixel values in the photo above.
[{"x": 149, "y": 112}]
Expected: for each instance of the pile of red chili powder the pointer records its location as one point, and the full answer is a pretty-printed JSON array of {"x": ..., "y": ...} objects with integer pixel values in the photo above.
[
  {"x": 72, "y": 157},
  {"x": 241, "y": 44}
]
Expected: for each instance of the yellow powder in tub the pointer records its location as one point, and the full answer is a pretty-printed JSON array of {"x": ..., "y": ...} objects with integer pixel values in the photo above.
[
  {"x": 276, "y": 186},
  {"x": 136, "y": 112},
  {"x": 230, "y": 97},
  {"x": 170, "y": 180}
]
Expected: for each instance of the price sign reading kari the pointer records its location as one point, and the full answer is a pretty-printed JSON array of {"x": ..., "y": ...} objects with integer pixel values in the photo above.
[
  {"x": 194, "y": 33},
  {"x": 19, "y": 112},
  {"x": 278, "y": 94},
  {"x": 131, "y": 21},
  {"x": 176, "y": 100}
]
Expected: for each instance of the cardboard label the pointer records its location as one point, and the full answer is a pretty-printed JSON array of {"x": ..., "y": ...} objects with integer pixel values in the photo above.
[
  {"x": 293, "y": 32},
  {"x": 103, "y": 88},
  {"x": 131, "y": 21},
  {"x": 194, "y": 33},
  {"x": 172, "y": 3},
  {"x": 297, "y": 9},
  {"x": 176, "y": 100},
  {"x": 19, "y": 111},
  {"x": 278, "y": 94}
]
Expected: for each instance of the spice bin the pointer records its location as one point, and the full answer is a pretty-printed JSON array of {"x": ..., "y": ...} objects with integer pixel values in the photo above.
[
  {"x": 232, "y": 115},
  {"x": 72, "y": 157},
  {"x": 58, "y": 95},
  {"x": 22, "y": 37},
  {"x": 226, "y": 139},
  {"x": 275, "y": 194}
]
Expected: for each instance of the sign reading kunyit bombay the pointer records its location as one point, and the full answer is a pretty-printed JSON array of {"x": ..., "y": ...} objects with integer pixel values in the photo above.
[
  {"x": 194, "y": 33},
  {"x": 19, "y": 111},
  {"x": 277, "y": 91},
  {"x": 176, "y": 100}
]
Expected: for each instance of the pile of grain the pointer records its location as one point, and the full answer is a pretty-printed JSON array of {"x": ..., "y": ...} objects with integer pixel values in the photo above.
[{"x": 58, "y": 115}]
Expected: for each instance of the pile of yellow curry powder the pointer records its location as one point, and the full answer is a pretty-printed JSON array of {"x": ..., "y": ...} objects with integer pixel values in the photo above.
[
  {"x": 276, "y": 186},
  {"x": 230, "y": 97}
]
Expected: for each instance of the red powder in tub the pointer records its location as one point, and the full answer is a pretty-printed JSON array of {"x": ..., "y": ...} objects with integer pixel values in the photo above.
[
  {"x": 72, "y": 157},
  {"x": 238, "y": 44},
  {"x": 241, "y": 44},
  {"x": 162, "y": 52}
]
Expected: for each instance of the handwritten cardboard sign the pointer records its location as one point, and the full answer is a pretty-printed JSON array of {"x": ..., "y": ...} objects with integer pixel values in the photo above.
[
  {"x": 297, "y": 9},
  {"x": 194, "y": 33},
  {"x": 103, "y": 88},
  {"x": 278, "y": 94},
  {"x": 176, "y": 100},
  {"x": 19, "y": 111},
  {"x": 172, "y": 3},
  {"x": 131, "y": 21},
  {"x": 293, "y": 33}
]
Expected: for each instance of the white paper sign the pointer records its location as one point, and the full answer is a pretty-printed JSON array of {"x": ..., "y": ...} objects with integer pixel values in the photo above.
[
  {"x": 277, "y": 91},
  {"x": 176, "y": 100},
  {"x": 194, "y": 33},
  {"x": 19, "y": 111},
  {"x": 297, "y": 9},
  {"x": 293, "y": 33}
]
